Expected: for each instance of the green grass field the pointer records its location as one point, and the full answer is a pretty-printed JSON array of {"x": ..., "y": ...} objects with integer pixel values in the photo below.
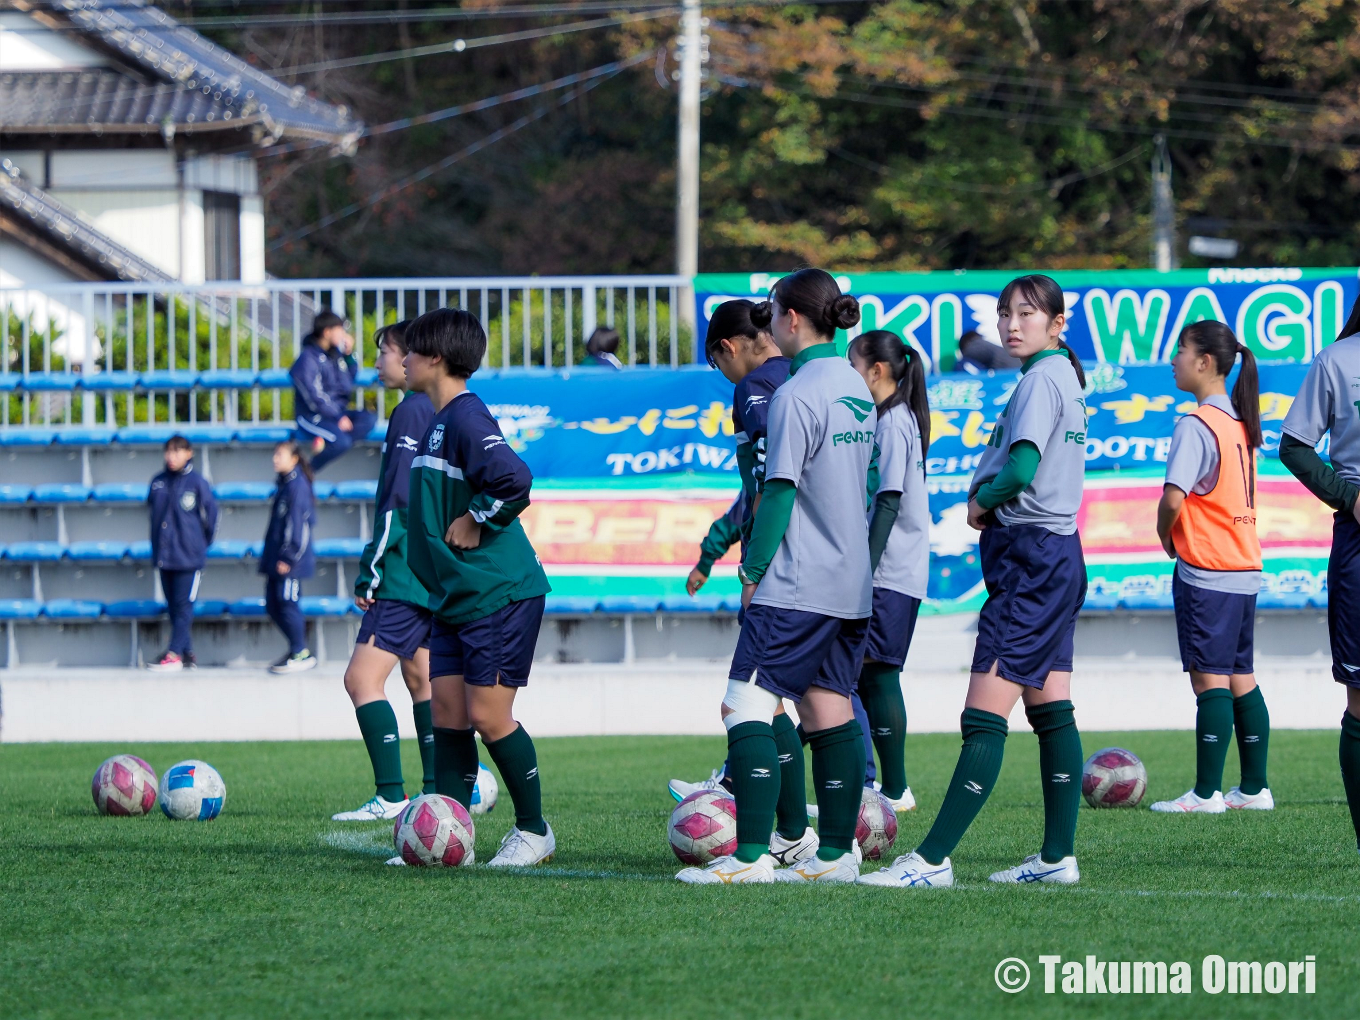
[{"x": 273, "y": 910}]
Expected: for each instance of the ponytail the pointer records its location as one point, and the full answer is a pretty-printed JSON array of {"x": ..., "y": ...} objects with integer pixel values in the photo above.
[
  {"x": 1076, "y": 362},
  {"x": 1217, "y": 341},
  {"x": 1246, "y": 397},
  {"x": 880, "y": 346},
  {"x": 1352, "y": 325}
]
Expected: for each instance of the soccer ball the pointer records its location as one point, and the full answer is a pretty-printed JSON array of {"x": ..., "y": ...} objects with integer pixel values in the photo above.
[
  {"x": 704, "y": 827},
  {"x": 876, "y": 827},
  {"x": 1113, "y": 777},
  {"x": 192, "y": 790},
  {"x": 124, "y": 785},
  {"x": 434, "y": 832},
  {"x": 484, "y": 792}
]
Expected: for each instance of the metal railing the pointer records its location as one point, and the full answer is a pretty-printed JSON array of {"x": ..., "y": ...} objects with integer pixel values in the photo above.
[{"x": 112, "y": 354}]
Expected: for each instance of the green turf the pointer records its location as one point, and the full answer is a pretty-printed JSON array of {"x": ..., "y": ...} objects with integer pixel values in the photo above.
[{"x": 272, "y": 910}]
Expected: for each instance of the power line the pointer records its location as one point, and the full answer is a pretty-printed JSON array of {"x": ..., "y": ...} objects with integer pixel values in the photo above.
[{"x": 986, "y": 189}]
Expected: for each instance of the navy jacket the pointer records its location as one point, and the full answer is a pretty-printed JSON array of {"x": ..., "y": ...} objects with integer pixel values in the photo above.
[
  {"x": 183, "y": 519},
  {"x": 322, "y": 382},
  {"x": 292, "y": 520}
]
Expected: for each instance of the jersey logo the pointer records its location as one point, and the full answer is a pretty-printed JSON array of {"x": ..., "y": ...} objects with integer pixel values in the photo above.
[
  {"x": 437, "y": 437},
  {"x": 859, "y": 408},
  {"x": 407, "y": 443},
  {"x": 188, "y": 501},
  {"x": 492, "y": 440},
  {"x": 754, "y": 400}
]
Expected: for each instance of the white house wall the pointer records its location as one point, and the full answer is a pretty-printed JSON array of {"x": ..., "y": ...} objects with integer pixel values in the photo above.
[
  {"x": 28, "y": 45},
  {"x": 233, "y": 174},
  {"x": 22, "y": 267},
  {"x": 146, "y": 222},
  {"x": 252, "y": 239},
  {"x": 120, "y": 169}
]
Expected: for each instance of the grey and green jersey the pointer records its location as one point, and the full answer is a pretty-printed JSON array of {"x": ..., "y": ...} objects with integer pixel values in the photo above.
[
  {"x": 1192, "y": 466},
  {"x": 1329, "y": 401},
  {"x": 905, "y": 564},
  {"x": 1047, "y": 408},
  {"x": 821, "y": 438}
]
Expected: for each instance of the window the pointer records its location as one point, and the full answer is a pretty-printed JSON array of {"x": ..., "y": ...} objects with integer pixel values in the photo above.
[{"x": 222, "y": 235}]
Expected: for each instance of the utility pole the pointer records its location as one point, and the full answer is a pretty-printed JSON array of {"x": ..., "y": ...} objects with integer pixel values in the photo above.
[
  {"x": 687, "y": 157},
  {"x": 1163, "y": 213}
]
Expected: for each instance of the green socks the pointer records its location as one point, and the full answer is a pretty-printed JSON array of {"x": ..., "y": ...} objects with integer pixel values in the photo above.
[
  {"x": 1251, "y": 719},
  {"x": 753, "y": 762},
  {"x": 1213, "y": 727},
  {"x": 517, "y": 761},
  {"x": 880, "y": 688},
  {"x": 455, "y": 763},
  {"x": 1350, "y": 766},
  {"x": 378, "y": 724},
  {"x": 790, "y": 809},
  {"x": 838, "y": 777},
  {"x": 425, "y": 741},
  {"x": 984, "y": 745},
  {"x": 1060, "y": 764}
]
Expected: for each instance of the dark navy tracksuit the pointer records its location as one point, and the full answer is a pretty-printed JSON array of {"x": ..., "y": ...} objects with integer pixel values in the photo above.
[
  {"x": 323, "y": 382},
  {"x": 292, "y": 519},
  {"x": 183, "y": 522}
]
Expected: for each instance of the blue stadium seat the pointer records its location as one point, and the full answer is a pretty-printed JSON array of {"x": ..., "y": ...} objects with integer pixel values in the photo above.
[
  {"x": 87, "y": 551},
  {"x": 60, "y": 492},
  {"x": 229, "y": 549},
  {"x": 168, "y": 379},
  {"x": 700, "y": 603},
  {"x": 339, "y": 548},
  {"x": 1283, "y": 600},
  {"x": 357, "y": 488},
  {"x": 247, "y": 607},
  {"x": 630, "y": 604},
  {"x": 72, "y": 609},
  {"x": 324, "y": 605},
  {"x": 263, "y": 433},
  {"x": 27, "y": 436},
  {"x": 244, "y": 492},
  {"x": 275, "y": 378},
  {"x": 121, "y": 492},
  {"x": 227, "y": 378},
  {"x": 379, "y": 430},
  {"x": 134, "y": 609},
  {"x": 20, "y": 609},
  {"x": 210, "y": 607},
  {"x": 156, "y": 435},
  {"x": 573, "y": 605},
  {"x": 1147, "y": 601},
  {"x": 323, "y": 490},
  {"x": 11, "y": 494},
  {"x": 50, "y": 382},
  {"x": 101, "y": 381},
  {"x": 85, "y": 437},
  {"x": 10, "y": 381},
  {"x": 1101, "y": 599},
  {"x": 1319, "y": 601},
  {"x": 367, "y": 377},
  {"x": 34, "y": 552},
  {"x": 140, "y": 550}
]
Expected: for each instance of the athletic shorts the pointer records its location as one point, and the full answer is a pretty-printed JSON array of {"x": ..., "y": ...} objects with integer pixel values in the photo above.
[
  {"x": 891, "y": 627},
  {"x": 790, "y": 651},
  {"x": 495, "y": 649},
  {"x": 1036, "y": 584},
  {"x": 397, "y": 627},
  {"x": 1343, "y": 600},
  {"x": 1216, "y": 629}
]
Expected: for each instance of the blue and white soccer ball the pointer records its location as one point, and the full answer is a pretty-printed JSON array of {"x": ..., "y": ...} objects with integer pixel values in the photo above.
[
  {"x": 484, "y": 792},
  {"x": 192, "y": 790}
]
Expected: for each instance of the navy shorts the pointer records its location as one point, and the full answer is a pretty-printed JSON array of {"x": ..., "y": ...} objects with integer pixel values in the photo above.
[
  {"x": 397, "y": 627},
  {"x": 790, "y": 650},
  {"x": 495, "y": 649},
  {"x": 1036, "y": 584},
  {"x": 1216, "y": 629},
  {"x": 1343, "y": 600},
  {"x": 891, "y": 627}
]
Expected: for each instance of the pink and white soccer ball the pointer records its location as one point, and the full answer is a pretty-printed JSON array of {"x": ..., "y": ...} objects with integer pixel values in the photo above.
[
  {"x": 434, "y": 832},
  {"x": 704, "y": 827},
  {"x": 876, "y": 827},
  {"x": 1113, "y": 777},
  {"x": 124, "y": 785}
]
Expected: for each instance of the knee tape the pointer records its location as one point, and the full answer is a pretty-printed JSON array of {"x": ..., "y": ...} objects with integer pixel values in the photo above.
[{"x": 748, "y": 703}]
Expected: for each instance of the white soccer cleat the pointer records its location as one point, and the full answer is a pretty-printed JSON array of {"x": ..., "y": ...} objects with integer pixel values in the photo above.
[
  {"x": 730, "y": 871},
  {"x": 395, "y": 862},
  {"x": 912, "y": 871},
  {"x": 906, "y": 802},
  {"x": 303, "y": 660},
  {"x": 1190, "y": 801},
  {"x": 1239, "y": 801},
  {"x": 681, "y": 789},
  {"x": 1034, "y": 869},
  {"x": 375, "y": 809},
  {"x": 789, "y": 852},
  {"x": 844, "y": 870},
  {"x": 520, "y": 849}
]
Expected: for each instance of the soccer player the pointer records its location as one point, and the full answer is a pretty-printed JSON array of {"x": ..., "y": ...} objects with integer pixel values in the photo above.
[
  {"x": 288, "y": 558},
  {"x": 1206, "y": 521},
  {"x": 396, "y": 623},
  {"x": 183, "y": 522},
  {"x": 1329, "y": 404},
  {"x": 485, "y": 582},
  {"x": 899, "y": 543},
  {"x": 806, "y": 589},
  {"x": 1024, "y": 499}
]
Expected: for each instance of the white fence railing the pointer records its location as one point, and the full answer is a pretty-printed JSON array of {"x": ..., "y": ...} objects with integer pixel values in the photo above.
[{"x": 109, "y": 354}]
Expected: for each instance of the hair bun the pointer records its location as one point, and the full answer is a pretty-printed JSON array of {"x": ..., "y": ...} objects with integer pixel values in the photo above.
[
  {"x": 843, "y": 312},
  {"x": 762, "y": 314}
]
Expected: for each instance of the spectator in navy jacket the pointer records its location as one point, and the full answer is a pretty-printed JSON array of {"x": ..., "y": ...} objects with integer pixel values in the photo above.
[
  {"x": 183, "y": 522},
  {"x": 323, "y": 382},
  {"x": 288, "y": 558},
  {"x": 601, "y": 348}
]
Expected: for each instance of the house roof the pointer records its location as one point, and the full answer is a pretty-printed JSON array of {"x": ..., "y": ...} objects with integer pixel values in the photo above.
[
  {"x": 172, "y": 78},
  {"x": 34, "y": 211}
]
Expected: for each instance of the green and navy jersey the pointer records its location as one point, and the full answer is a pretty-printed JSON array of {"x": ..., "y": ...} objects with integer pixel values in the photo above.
[
  {"x": 1048, "y": 409},
  {"x": 821, "y": 438},
  {"x": 905, "y": 564},
  {"x": 750, "y": 418},
  {"x": 383, "y": 570},
  {"x": 1329, "y": 401},
  {"x": 465, "y": 466}
]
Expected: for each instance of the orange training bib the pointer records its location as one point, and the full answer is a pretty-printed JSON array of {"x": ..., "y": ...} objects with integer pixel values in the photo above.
[{"x": 1217, "y": 531}]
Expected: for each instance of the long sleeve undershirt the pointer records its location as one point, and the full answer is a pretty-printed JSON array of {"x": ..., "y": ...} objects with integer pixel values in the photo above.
[
  {"x": 1317, "y": 476},
  {"x": 767, "y": 531},
  {"x": 1019, "y": 471},
  {"x": 886, "y": 507}
]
